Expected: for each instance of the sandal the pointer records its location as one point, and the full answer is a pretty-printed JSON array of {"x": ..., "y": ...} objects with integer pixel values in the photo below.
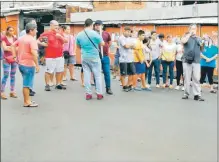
[
  {"x": 3, "y": 96},
  {"x": 13, "y": 95},
  {"x": 213, "y": 91},
  {"x": 31, "y": 105},
  {"x": 73, "y": 79}
]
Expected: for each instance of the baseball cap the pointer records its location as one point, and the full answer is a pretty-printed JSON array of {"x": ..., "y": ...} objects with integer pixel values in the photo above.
[
  {"x": 30, "y": 26},
  {"x": 127, "y": 28},
  {"x": 99, "y": 22}
]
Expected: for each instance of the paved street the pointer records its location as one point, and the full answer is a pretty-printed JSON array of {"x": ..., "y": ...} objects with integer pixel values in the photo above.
[{"x": 138, "y": 126}]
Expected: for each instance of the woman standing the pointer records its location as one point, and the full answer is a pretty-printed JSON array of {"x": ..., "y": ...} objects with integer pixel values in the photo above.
[
  {"x": 208, "y": 62},
  {"x": 168, "y": 57},
  {"x": 179, "y": 66},
  {"x": 148, "y": 58},
  {"x": 69, "y": 51},
  {"x": 9, "y": 63}
]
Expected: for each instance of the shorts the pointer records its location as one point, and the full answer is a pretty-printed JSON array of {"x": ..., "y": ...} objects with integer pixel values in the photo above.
[
  {"x": 127, "y": 69},
  {"x": 140, "y": 68},
  {"x": 116, "y": 61},
  {"x": 54, "y": 65},
  {"x": 70, "y": 61},
  {"x": 28, "y": 75}
]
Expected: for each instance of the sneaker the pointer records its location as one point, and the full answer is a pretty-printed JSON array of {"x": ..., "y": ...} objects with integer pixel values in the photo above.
[
  {"x": 129, "y": 88},
  {"x": 137, "y": 89},
  {"x": 63, "y": 84},
  {"x": 185, "y": 97},
  {"x": 32, "y": 93},
  {"x": 99, "y": 96},
  {"x": 47, "y": 88},
  {"x": 149, "y": 86},
  {"x": 177, "y": 88},
  {"x": 183, "y": 89},
  {"x": 164, "y": 86},
  {"x": 198, "y": 98},
  {"x": 88, "y": 96},
  {"x": 146, "y": 89},
  {"x": 157, "y": 86},
  {"x": 171, "y": 86},
  {"x": 59, "y": 86},
  {"x": 124, "y": 88}
]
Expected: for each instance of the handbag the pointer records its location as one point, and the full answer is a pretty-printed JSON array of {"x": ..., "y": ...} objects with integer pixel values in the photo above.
[
  {"x": 94, "y": 45},
  {"x": 189, "y": 58},
  {"x": 66, "y": 54},
  {"x": 9, "y": 59}
]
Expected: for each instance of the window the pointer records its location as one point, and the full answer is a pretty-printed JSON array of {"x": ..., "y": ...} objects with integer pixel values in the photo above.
[
  {"x": 102, "y": 2},
  {"x": 114, "y": 1},
  {"x": 137, "y": 2}
]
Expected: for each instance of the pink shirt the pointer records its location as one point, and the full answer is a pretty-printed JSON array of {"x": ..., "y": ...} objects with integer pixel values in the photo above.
[
  {"x": 69, "y": 47},
  {"x": 25, "y": 45}
]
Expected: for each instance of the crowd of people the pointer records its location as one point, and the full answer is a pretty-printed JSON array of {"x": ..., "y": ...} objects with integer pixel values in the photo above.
[{"x": 136, "y": 57}]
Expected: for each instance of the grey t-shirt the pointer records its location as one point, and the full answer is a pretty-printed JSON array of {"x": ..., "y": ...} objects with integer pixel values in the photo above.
[
  {"x": 126, "y": 54},
  {"x": 194, "y": 45},
  {"x": 156, "y": 48}
]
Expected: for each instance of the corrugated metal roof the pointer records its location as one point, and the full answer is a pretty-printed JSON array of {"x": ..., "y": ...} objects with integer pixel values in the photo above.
[
  {"x": 203, "y": 10},
  {"x": 210, "y": 20}
]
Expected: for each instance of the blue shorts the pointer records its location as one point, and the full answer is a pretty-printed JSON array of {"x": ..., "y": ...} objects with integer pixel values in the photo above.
[
  {"x": 140, "y": 68},
  {"x": 116, "y": 61},
  {"x": 71, "y": 60},
  {"x": 28, "y": 76}
]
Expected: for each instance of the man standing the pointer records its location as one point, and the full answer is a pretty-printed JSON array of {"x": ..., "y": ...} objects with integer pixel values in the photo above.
[
  {"x": 27, "y": 60},
  {"x": 89, "y": 41},
  {"x": 23, "y": 33},
  {"x": 191, "y": 63},
  {"x": 53, "y": 55},
  {"x": 156, "y": 46},
  {"x": 98, "y": 26},
  {"x": 127, "y": 67}
]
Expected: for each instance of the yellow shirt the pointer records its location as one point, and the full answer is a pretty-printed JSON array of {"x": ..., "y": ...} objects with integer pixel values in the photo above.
[
  {"x": 169, "y": 52},
  {"x": 138, "y": 51}
]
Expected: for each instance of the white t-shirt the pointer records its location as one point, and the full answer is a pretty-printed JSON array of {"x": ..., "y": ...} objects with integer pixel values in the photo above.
[
  {"x": 126, "y": 54},
  {"x": 147, "y": 53},
  {"x": 179, "y": 51},
  {"x": 169, "y": 51}
]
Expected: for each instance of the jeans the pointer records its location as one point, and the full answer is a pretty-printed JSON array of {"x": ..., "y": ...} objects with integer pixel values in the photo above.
[
  {"x": 28, "y": 73},
  {"x": 93, "y": 66},
  {"x": 156, "y": 64},
  {"x": 106, "y": 70},
  {"x": 166, "y": 64},
  {"x": 9, "y": 69}
]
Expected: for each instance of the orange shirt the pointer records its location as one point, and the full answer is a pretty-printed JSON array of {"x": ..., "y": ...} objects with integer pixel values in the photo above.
[
  {"x": 25, "y": 45},
  {"x": 55, "y": 45}
]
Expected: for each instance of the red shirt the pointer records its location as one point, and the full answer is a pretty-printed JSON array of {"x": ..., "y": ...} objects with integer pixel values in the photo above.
[
  {"x": 5, "y": 39},
  {"x": 55, "y": 44},
  {"x": 106, "y": 38}
]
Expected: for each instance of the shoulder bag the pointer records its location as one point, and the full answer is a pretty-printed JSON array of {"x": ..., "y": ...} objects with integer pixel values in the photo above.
[
  {"x": 66, "y": 54},
  {"x": 93, "y": 44}
]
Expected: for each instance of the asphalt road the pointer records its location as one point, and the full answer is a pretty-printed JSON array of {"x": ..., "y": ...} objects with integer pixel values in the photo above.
[{"x": 153, "y": 126}]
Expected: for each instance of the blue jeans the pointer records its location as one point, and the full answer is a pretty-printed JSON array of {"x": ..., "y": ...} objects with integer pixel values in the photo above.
[
  {"x": 156, "y": 64},
  {"x": 106, "y": 70},
  {"x": 93, "y": 66},
  {"x": 166, "y": 64},
  {"x": 28, "y": 76}
]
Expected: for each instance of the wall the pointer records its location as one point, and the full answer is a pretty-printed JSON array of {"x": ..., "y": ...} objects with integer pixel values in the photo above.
[
  {"x": 116, "y": 5},
  {"x": 12, "y": 20},
  {"x": 74, "y": 9}
]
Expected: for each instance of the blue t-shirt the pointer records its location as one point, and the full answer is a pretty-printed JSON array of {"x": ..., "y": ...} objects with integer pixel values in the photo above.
[
  {"x": 209, "y": 52},
  {"x": 88, "y": 51}
]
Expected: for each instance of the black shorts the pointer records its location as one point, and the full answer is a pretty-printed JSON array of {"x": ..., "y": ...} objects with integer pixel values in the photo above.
[{"x": 127, "y": 69}]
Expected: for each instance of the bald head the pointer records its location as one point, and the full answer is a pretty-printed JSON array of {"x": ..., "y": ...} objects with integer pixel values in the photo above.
[{"x": 54, "y": 25}]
